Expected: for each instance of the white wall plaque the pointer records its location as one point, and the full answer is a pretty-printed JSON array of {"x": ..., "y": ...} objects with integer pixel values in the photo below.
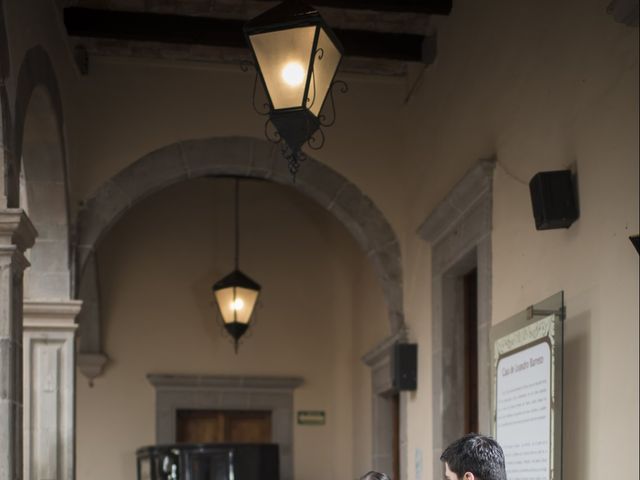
[
  {"x": 523, "y": 423},
  {"x": 527, "y": 391}
]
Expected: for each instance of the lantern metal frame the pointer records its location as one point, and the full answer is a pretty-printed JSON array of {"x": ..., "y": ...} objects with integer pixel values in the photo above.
[
  {"x": 294, "y": 127},
  {"x": 236, "y": 279}
]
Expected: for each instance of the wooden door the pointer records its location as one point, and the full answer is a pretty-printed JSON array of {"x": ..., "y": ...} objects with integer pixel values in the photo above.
[{"x": 223, "y": 426}]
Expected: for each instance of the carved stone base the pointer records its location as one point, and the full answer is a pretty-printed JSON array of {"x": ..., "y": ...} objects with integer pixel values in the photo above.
[{"x": 48, "y": 383}]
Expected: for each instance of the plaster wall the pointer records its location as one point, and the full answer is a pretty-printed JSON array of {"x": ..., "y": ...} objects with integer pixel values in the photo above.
[
  {"x": 139, "y": 106},
  {"x": 539, "y": 86},
  {"x": 157, "y": 266}
]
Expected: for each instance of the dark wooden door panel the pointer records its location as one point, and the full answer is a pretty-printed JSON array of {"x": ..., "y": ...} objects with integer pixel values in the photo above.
[{"x": 223, "y": 426}]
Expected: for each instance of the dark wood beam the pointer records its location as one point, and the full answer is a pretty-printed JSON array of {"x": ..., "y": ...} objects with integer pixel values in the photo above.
[
  {"x": 178, "y": 29},
  {"x": 430, "y": 7}
]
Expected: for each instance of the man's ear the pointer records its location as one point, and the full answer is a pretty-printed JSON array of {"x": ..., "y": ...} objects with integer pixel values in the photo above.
[{"x": 469, "y": 476}]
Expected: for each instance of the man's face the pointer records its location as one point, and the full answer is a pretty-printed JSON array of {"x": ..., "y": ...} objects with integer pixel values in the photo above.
[{"x": 449, "y": 475}]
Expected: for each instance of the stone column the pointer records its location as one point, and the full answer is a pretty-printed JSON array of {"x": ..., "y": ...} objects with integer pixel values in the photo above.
[
  {"x": 17, "y": 234},
  {"x": 48, "y": 379}
]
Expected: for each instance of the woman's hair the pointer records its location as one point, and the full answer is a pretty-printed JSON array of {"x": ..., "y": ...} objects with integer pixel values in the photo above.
[{"x": 375, "y": 476}]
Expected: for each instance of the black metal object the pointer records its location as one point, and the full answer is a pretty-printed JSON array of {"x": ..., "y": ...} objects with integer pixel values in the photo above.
[
  {"x": 219, "y": 32},
  {"x": 553, "y": 198},
  {"x": 430, "y": 7},
  {"x": 293, "y": 127},
  {"x": 236, "y": 279},
  {"x": 208, "y": 462},
  {"x": 405, "y": 367},
  {"x": 635, "y": 239}
]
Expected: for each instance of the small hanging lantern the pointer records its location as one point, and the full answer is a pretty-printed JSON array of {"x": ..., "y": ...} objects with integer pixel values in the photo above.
[
  {"x": 236, "y": 294},
  {"x": 297, "y": 56}
]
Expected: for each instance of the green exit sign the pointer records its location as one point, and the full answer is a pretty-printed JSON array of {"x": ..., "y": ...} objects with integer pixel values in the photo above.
[{"x": 311, "y": 417}]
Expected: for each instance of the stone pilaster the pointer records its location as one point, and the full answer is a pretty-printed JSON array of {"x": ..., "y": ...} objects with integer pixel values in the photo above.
[
  {"x": 17, "y": 234},
  {"x": 48, "y": 386},
  {"x": 91, "y": 359}
]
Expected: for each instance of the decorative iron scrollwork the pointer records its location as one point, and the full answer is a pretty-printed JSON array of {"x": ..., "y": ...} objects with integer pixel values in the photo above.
[
  {"x": 316, "y": 142},
  {"x": 271, "y": 132},
  {"x": 344, "y": 88}
]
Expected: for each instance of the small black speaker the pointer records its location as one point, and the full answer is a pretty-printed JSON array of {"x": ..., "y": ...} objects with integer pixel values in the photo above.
[
  {"x": 405, "y": 366},
  {"x": 553, "y": 199}
]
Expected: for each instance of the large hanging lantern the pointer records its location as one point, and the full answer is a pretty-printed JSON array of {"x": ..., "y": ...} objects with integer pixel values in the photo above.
[
  {"x": 236, "y": 294},
  {"x": 296, "y": 56}
]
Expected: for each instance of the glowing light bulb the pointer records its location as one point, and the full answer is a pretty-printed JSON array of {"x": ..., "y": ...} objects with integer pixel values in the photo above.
[
  {"x": 237, "y": 304},
  {"x": 293, "y": 74}
]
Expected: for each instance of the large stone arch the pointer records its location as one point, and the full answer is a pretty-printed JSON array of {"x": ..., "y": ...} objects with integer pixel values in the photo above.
[
  {"x": 40, "y": 159},
  {"x": 229, "y": 156}
]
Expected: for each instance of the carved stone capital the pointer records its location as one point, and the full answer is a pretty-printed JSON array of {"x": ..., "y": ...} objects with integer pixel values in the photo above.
[
  {"x": 51, "y": 315},
  {"x": 16, "y": 229},
  {"x": 91, "y": 364}
]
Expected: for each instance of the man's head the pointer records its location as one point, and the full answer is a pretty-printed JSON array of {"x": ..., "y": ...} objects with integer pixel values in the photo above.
[
  {"x": 474, "y": 457},
  {"x": 375, "y": 476}
]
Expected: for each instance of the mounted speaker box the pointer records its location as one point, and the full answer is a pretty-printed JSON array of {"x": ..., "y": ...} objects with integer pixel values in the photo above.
[
  {"x": 553, "y": 199},
  {"x": 405, "y": 366}
]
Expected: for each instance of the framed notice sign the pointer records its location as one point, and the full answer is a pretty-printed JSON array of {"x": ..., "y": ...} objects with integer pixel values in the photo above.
[{"x": 527, "y": 390}]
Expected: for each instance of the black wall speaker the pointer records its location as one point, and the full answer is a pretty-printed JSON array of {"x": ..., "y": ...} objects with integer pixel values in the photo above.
[
  {"x": 405, "y": 366},
  {"x": 553, "y": 199}
]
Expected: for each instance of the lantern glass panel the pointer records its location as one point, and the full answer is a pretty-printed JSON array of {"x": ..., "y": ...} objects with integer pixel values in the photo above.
[
  {"x": 325, "y": 64},
  {"x": 236, "y": 304},
  {"x": 283, "y": 57}
]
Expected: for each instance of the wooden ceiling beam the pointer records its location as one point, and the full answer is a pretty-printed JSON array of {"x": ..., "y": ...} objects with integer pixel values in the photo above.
[
  {"x": 180, "y": 29},
  {"x": 429, "y": 7}
]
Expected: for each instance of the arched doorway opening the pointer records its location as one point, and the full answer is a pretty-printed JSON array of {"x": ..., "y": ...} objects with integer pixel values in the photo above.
[{"x": 323, "y": 308}]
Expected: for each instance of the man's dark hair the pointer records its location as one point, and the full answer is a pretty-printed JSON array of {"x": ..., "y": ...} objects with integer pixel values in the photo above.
[
  {"x": 375, "y": 476},
  {"x": 477, "y": 454}
]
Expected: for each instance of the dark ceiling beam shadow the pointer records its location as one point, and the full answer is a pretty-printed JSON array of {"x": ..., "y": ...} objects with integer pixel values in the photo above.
[
  {"x": 178, "y": 29},
  {"x": 430, "y": 7}
]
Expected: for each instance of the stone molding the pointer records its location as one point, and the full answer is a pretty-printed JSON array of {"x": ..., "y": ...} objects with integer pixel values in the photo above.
[
  {"x": 228, "y": 382},
  {"x": 459, "y": 231},
  {"x": 462, "y": 197},
  {"x": 224, "y": 392},
  {"x": 91, "y": 365},
  {"x": 56, "y": 315},
  {"x": 17, "y": 234},
  {"x": 380, "y": 360},
  {"x": 16, "y": 229},
  {"x": 48, "y": 388},
  {"x": 381, "y": 351},
  {"x": 231, "y": 156}
]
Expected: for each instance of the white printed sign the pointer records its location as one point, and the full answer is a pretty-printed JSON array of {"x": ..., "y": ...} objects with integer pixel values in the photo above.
[{"x": 523, "y": 413}]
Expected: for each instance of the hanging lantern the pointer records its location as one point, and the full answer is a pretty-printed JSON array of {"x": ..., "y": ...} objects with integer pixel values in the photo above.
[
  {"x": 296, "y": 56},
  {"x": 236, "y": 294}
]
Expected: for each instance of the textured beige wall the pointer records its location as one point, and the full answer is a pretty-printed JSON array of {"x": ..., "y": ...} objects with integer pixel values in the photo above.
[
  {"x": 139, "y": 106},
  {"x": 541, "y": 86},
  {"x": 157, "y": 266}
]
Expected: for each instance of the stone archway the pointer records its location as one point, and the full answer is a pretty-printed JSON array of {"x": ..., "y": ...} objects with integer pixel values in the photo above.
[
  {"x": 43, "y": 195},
  {"x": 40, "y": 160},
  {"x": 229, "y": 156},
  {"x": 38, "y": 186}
]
